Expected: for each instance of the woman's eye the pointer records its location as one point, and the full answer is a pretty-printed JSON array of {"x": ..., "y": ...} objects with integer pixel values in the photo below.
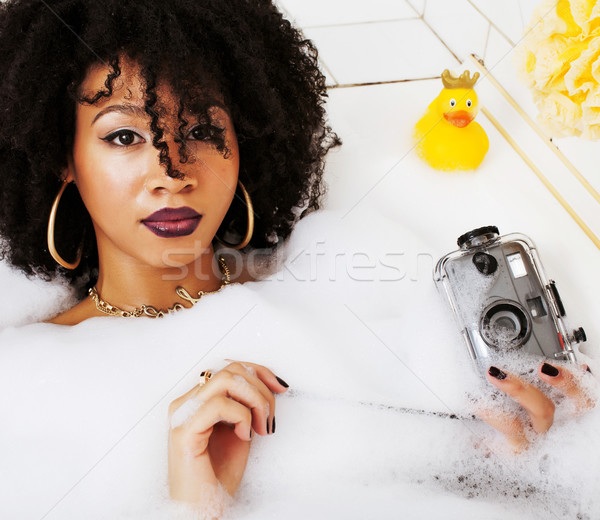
[
  {"x": 199, "y": 133},
  {"x": 123, "y": 138},
  {"x": 453, "y": 102},
  {"x": 204, "y": 133}
]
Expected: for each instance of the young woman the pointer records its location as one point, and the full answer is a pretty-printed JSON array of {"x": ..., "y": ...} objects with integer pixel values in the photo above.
[{"x": 134, "y": 136}]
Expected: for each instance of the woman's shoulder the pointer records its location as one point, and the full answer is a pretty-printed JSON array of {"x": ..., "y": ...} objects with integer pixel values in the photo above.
[{"x": 82, "y": 311}]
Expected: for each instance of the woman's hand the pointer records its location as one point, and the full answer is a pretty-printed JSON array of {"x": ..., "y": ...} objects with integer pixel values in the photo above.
[
  {"x": 540, "y": 408},
  {"x": 211, "y": 430}
]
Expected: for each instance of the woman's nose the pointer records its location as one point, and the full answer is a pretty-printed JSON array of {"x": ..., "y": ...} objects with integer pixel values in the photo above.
[{"x": 171, "y": 174}]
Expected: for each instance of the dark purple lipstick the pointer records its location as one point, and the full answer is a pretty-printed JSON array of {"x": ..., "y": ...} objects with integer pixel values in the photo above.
[{"x": 173, "y": 222}]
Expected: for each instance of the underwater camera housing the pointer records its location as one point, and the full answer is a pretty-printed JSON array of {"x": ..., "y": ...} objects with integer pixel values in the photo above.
[{"x": 502, "y": 300}]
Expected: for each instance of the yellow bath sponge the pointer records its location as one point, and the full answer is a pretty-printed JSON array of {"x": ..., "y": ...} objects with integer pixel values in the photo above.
[{"x": 559, "y": 59}]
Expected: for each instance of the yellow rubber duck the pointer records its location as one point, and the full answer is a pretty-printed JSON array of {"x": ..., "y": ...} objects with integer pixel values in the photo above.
[{"x": 447, "y": 137}]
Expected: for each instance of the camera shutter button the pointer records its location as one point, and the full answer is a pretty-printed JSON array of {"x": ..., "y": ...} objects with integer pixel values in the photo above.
[{"x": 486, "y": 264}]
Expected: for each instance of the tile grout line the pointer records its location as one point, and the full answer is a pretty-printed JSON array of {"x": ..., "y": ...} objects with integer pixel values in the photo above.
[
  {"x": 375, "y": 83},
  {"x": 435, "y": 33},
  {"x": 420, "y": 15},
  {"x": 487, "y": 41},
  {"x": 521, "y": 14},
  {"x": 440, "y": 39},
  {"x": 328, "y": 70},
  {"x": 324, "y": 65},
  {"x": 470, "y": 2},
  {"x": 368, "y": 22}
]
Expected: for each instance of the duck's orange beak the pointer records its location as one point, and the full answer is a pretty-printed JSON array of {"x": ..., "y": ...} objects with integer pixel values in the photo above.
[{"x": 459, "y": 118}]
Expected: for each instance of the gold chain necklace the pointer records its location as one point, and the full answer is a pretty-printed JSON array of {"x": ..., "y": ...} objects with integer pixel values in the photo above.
[{"x": 152, "y": 312}]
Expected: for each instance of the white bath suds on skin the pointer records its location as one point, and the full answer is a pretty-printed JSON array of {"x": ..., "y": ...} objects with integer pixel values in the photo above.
[
  {"x": 241, "y": 382},
  {"x": 216, "y": 503},
  {"x": 249, "y": 369},
  {"x": 186, "y": 411},
  {"x": 244, "y": 387}
]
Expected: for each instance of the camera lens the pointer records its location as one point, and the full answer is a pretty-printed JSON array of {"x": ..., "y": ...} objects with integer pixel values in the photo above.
[{"x": 505, "y": 325}]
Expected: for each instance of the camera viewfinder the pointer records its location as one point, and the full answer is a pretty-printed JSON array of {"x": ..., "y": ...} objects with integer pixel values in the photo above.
[{"x": 486, "y": 264}]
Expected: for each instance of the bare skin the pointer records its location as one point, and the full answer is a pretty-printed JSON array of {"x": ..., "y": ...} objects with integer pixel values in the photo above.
[
  {"x": 212, "y": 445},
  {"x": 119, "y": 177},
  {"x": 87, "y": 308},
  {"x": 539, "y": 407},
  {"x": 121, "y": 182}
]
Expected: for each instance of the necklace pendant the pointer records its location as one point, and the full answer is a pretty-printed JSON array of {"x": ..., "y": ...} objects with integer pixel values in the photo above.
[
  {"x": 177, "y": 307},
  {"x": 186, "y": 296},
  {"x": 152, "y": 312}
]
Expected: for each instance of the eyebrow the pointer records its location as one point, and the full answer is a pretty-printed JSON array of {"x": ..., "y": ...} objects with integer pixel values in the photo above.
[
  {"x": 134, "y": 110},
  {"x": 138, "y": 111}
]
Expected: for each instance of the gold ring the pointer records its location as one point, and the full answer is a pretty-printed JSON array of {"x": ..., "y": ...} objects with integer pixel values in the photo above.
[{"x": 205, "y": 376}]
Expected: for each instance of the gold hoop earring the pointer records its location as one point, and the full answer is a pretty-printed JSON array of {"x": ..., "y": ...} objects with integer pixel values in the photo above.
[
  {"x": 51, "y": 223},
  {"x": 250, "y": 229}
]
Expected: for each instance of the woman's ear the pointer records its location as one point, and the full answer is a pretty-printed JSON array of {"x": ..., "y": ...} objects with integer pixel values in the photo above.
[{"x": 68, "y": 173}]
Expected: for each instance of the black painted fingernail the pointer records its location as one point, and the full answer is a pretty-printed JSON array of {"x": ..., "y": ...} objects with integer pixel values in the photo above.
[
  {"x": 497, "y": 373},
  {"x": 250, "y": 436},
  {"x": 588, "y": 370},
  {"x": 282, "y": 382},
  {"x": 273, "y": 424},
  {"x": 549, "y": 370},
  {"x": 268, "y": 426}
]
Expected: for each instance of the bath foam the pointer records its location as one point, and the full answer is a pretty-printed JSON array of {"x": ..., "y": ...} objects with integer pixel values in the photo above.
[
  {"x": 377, "y": 422},
  {"x": 29, "y": 300}
]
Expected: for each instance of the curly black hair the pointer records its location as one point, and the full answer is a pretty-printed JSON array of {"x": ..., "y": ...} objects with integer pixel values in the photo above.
[{"x": 244, "y": 50}]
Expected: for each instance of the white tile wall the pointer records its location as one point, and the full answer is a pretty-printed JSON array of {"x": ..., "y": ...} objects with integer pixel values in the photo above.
[
  {"x": 417, "y": 5},
  {"x": 498, "y": 50},
  {"x": 527, "y": 7},
  {"x": 459, "y": 25},
  {"x": 330, "y": 80},
  {"x": 584, "y": 156},
  {"x": 316, "y": 13},
  {"x": 500, "y": 61},
  {"x": 506, "y": 15},
  {"x": 376, "y": 52}
]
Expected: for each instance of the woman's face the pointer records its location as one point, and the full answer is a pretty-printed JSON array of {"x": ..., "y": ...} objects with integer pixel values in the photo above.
[{"x": 140, "y": 214}]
